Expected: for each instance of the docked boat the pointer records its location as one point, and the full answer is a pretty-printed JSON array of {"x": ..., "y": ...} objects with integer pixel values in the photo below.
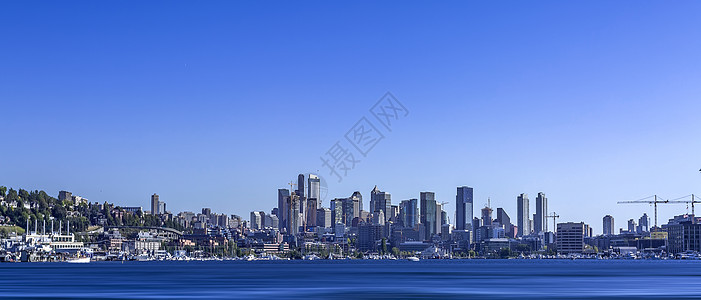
[
  {"x": 413, "y": 258},
  {"x": 79, "y": 260}
]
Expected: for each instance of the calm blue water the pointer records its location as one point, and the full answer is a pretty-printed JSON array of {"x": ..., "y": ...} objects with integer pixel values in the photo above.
[{"x": 473, "y": 279}]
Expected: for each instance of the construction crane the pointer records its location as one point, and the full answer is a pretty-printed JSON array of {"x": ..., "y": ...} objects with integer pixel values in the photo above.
[
  {"x": 692, "y": 201},
  {"x": 645, "y": 200},
  {"x": 553, "y": 216}
]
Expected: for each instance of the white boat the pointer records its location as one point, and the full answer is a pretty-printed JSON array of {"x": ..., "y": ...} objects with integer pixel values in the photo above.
[
  {"x": 79, "y": 260},
  {"x": 413, "y": 258}
]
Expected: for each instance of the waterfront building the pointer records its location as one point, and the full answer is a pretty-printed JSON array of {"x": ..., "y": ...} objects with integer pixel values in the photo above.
[
  {"x": 523, "y": 215},
  {"x": 540, "y": 221},
  {"x": 570, "y": 238},
  {"x": 463, "y": 208},
  {"x": 608, "y": 225},
  {"x": 428, "y": 213},
  {"x": 683, "y": 234}
]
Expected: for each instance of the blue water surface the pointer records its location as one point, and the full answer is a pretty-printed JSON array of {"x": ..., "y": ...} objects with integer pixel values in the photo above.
[{"x": 356, "y": 279}]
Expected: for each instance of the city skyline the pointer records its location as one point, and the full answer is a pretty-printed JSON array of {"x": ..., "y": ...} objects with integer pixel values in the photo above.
[{"x": 200, "y": 112}]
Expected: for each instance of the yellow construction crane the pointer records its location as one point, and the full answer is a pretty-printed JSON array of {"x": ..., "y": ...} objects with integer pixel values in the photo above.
[{"x": 645, "y": 200}]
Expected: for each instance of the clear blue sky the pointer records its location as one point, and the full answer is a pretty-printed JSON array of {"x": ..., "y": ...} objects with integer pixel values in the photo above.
[{"x": 219, "y": 104}]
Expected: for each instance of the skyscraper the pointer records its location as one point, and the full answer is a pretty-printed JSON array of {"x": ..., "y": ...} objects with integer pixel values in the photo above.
[
  {"x": 504, "y": 219},
  {"x": 428, "y": 213},
  {"x": 382, "y": 202},
  {"x": 408, "y": 212},
  {"x": 294, "y": 214},
  {"x": 523, "y": 215},
  {"x": 486, "y": 216},
  {"x": 302, "y": 199},
  {"x": 463, "y": 208},
  {"x": 643, "y": 224},
  {"x": 311, "y": 213},
  {"x": 283, "y": 209},
  {"x": 608, "y": 225},
  {"x": 631, "y": 225},
  {"x": 314, "y": 189},
  {"x": 300, "y": 185},
  {"x": 154, "y": 204},
  {"x": 540, "y": 221}
]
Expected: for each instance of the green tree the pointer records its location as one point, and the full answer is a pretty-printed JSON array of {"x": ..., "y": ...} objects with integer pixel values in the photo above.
[
  {"x": 395, "y": 251},
  {"x": 384, "y": 246},
  {"x": 505, "y": 252},
  {"x": 3, "y": 190}
]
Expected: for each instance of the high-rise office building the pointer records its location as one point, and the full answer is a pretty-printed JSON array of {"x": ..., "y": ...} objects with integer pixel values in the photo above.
[
  {"x": 257, "y": 220},
  {"x": 463, "y": 208},
  {"x": 154, "y": 204},
  {"x": 486, "y": 216},
  {"x": 355, "y": 205},
  {"x": 540, "y": 221},
  {"x": 302, "y": 199},
  {"x": 570, "y": 237},
  {"x": 504, "y": 219},
  {"x": 408, "y": 212},
  {"x": 311, "y": 213},
  {"x": 161, "y": 207},
  {"x": 608, "y": 225},
  {"x": 283, "y": 210},
  {"x": 323, "y": 217},
  {"x": 643, "y": 224},
  {"x": 631, "y": 225},
  {"x": 314, "y": 189},
  {"x": 523, "y": 215},
  {"x": 428, "y": 213},
  {"x": 295, "y": 216},
  {"x": 439, "y": 216},
  {"x": 382, "y": 202}
]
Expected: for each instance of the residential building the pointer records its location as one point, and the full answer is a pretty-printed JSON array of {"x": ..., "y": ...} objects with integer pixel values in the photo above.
[
  {"x": 608, "y": 225},
  {"x": 523, "y": 215},
  {"x": 540, "y": 221}
]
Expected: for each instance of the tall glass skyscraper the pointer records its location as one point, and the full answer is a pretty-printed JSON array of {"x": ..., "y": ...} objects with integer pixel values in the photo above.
[
  {"x": 522, "y": 215},
  {"x": 382, "y": 202},
  {"x": 463, "y": 208},
  {"x": 540, "y": 221},
  {"x": 408, "y": 212},
  {"x": 314, "y": 188},
  {"x": 428, "y": 213}
]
